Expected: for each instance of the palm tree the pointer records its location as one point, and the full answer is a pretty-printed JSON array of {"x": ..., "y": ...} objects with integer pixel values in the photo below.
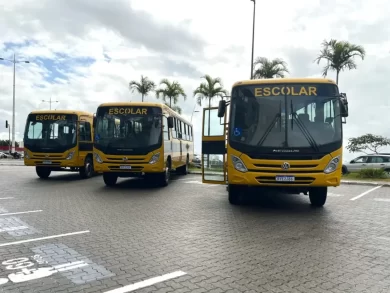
[
  {"x": 339, "y": 55},
  {"x": 209, "y": 90},
  {"x": 172, "y": 91},
  {"x": 269, "y": 68},
  {"x": 144, "y": 87}
]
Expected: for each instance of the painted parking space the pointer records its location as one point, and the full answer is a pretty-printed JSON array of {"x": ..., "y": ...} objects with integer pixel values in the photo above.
[{"x": 184, "y": 237}]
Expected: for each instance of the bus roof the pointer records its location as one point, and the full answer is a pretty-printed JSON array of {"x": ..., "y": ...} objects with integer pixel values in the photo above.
[
  {"x": 146, "y": 104},
  {"x": 284, "y": 80},
  {"x": 77, "y": 112}
]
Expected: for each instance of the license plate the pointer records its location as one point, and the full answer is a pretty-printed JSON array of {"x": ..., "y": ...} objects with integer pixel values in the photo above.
[
  {"x": 285, "y": 178},
  {"x": 125, "y": 167},
  {"x": 46, "y": 162}
]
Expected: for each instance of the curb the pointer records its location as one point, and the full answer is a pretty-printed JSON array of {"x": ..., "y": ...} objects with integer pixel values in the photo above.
[{"x": 346, "y": 182}]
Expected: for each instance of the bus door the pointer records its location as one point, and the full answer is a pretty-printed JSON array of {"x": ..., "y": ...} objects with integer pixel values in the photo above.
[
  {"x": 85, "y": 140},
  {"x": 213, "y": 147}
]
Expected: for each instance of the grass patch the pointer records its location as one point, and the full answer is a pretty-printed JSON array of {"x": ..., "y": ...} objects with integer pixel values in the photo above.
[{"x": 367, "y": 175}]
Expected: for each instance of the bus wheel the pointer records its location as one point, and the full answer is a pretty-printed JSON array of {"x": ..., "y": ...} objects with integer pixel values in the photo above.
[
  {"x": 318, "y": 196},
  {"x": 183, "y": 170},
  {"x": 110, "y": 179},
  {"x": 87, "y": 170},
  {"x": 43, "y": 172},
  {"x": 235, "y": 193},
  {"x": 163, "y": 178}
]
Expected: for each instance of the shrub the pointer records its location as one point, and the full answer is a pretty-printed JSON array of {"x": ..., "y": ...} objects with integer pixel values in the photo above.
[{"x": 373, "y": 174}]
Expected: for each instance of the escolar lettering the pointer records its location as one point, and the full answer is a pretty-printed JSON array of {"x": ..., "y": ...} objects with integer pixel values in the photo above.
[
  {"x": 50, "y": 117},
  {"x": 285, "y": 90},
  {"x": 127, "y": 111}
]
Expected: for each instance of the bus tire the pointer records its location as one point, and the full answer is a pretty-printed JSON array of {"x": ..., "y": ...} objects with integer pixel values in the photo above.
[
  {"x": 164, "y": 177},
  {"x": 318, "y": 196},
  {"x": 110, "y": 179},
  {"x": 235, "y": 192},
  {"x": 43, "y": 172},
  {"x": 183, "y": 170},
  {"x": 87, "y": 170}
]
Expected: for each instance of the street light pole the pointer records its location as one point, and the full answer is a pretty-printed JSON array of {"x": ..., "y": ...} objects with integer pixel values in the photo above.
[
  {"x": 193, "y": 111},
  {"x": 253, "y": 35},
  {"x": 14, "y": 61},
  {"x": 50, "y": 101}
]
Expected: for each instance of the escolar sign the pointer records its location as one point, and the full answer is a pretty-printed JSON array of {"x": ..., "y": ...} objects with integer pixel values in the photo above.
[
  {"x": 286, "y": 90},
  {"x": 50, "y": 117},
  {"x": 126, "y": 111}
]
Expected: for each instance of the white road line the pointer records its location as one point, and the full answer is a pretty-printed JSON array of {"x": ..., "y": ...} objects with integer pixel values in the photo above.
[
  {"x": 18, "y": 213},
  {"x": 382, "y": 199},
  {"x": 335, "y": 194},
  {"x": 6, "y": 197},
  {"x": 366, "y": 192},
  {"x": 43, "y": 238},
  {"x": 10, "y": 229},
  {"x": 384, "y": 238},
  {"x": 147, "y": 283}
]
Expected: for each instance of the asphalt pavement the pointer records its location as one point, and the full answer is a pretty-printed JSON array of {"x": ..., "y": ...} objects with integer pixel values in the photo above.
[{"x": 65, "y": 234}]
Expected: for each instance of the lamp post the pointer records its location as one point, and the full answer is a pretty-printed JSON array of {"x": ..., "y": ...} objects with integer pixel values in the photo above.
[
  {"x": 50, "y": 102},
  {"x": 253, "y": 35},
  {"x": 14, "y": 61}
]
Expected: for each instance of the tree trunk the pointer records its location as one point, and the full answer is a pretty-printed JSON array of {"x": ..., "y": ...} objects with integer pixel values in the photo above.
[
  {"x": 337, "y": 76},
  {"x": 142, "y": 97},
  {"x": 170, "y": 102}
]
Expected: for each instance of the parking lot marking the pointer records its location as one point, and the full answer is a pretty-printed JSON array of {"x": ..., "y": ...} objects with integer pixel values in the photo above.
[
  {"x": 384, "y": 238},
  {"x": 13, "y": 228},
  {"x": 382, "y": 199},
  {"x": 6, "y": 197},
  {"x": 366, "y": 192},
  {"x": 147, "y": 283},
  {"x": 18, "y": 213},
  {"x": 43, "y": 238}
]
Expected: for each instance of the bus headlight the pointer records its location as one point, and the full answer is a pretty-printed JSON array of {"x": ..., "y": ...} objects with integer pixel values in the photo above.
[
  {"x": 98, "y": 158},
  {"x": 70, "y": 155},
  {"x": 238, "y": 164},
  {"x": 332, "y": 165},
  {"x": 154, "y": 158},
  {"x": 26, "y": 155}
]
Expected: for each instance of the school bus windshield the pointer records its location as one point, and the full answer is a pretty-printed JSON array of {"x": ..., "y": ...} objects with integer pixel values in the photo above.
[
  {"x": 127, "y": 130},
  {"x": 303, "y": 117},
  {"x": 50, "y": 132}
]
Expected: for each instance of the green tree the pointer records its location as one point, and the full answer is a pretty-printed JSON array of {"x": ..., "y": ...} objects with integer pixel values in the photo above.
[
  {"x": 269, "y": 68},
  {"x": 144, "y": 87},
  {"x": 367, "y": 142},
  {"x": 7, "y": 143},
  {"x": 339, "y": 56},
  {"x": 208, "y": 90},
  {"x": 172, "y": 91}
]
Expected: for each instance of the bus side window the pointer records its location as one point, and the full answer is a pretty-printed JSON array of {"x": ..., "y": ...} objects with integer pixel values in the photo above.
[
  {"x": 165, "y": 128},
  {"x": 88, "y": 133},
  {"x": 174, "y": 129}
]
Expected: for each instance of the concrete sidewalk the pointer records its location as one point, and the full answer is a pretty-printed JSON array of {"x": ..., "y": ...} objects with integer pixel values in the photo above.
[{"x": 350, "y": 182}]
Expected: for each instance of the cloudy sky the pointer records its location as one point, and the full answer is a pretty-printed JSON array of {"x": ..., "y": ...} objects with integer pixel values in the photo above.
[{"x": 85, "y": 52}]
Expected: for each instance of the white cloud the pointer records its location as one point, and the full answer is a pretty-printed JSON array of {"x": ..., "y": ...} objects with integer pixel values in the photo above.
[{"x": 183, "y": 40}]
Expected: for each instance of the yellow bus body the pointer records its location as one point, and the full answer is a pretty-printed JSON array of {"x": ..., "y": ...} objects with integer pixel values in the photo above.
[
  {"x": 78, "y": 158},
  {"x": 175, "y": 152},
  {"x": 308, "y": 173}
]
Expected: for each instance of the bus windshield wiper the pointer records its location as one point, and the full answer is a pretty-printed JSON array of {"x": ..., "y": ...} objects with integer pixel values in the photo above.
[
  {"x": 303, "y": 129},
  {"x": 277, "y": 117}
]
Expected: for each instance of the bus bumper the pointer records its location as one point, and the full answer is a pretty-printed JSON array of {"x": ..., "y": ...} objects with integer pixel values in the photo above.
[{"x": 301, "y": 181}]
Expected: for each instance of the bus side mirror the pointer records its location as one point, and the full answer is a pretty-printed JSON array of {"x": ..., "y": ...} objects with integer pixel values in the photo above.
[
  {"x": 221, "y": 108},
  {"x": 344, "y": 105},
  {"x": 170, "y": 122},
  {"x": 94, "y": 122},
  {"x": 6, "y": 123}
]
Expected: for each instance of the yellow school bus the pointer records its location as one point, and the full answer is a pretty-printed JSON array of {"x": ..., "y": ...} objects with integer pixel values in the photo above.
[
  {"x": 59, "y": 140},
  {"x": 147, "y": 140},
  {"x": 279, "y": 134}
]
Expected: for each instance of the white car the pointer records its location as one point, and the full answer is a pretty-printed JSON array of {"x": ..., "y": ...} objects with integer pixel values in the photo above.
[{"x": 374, "y": 161}]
